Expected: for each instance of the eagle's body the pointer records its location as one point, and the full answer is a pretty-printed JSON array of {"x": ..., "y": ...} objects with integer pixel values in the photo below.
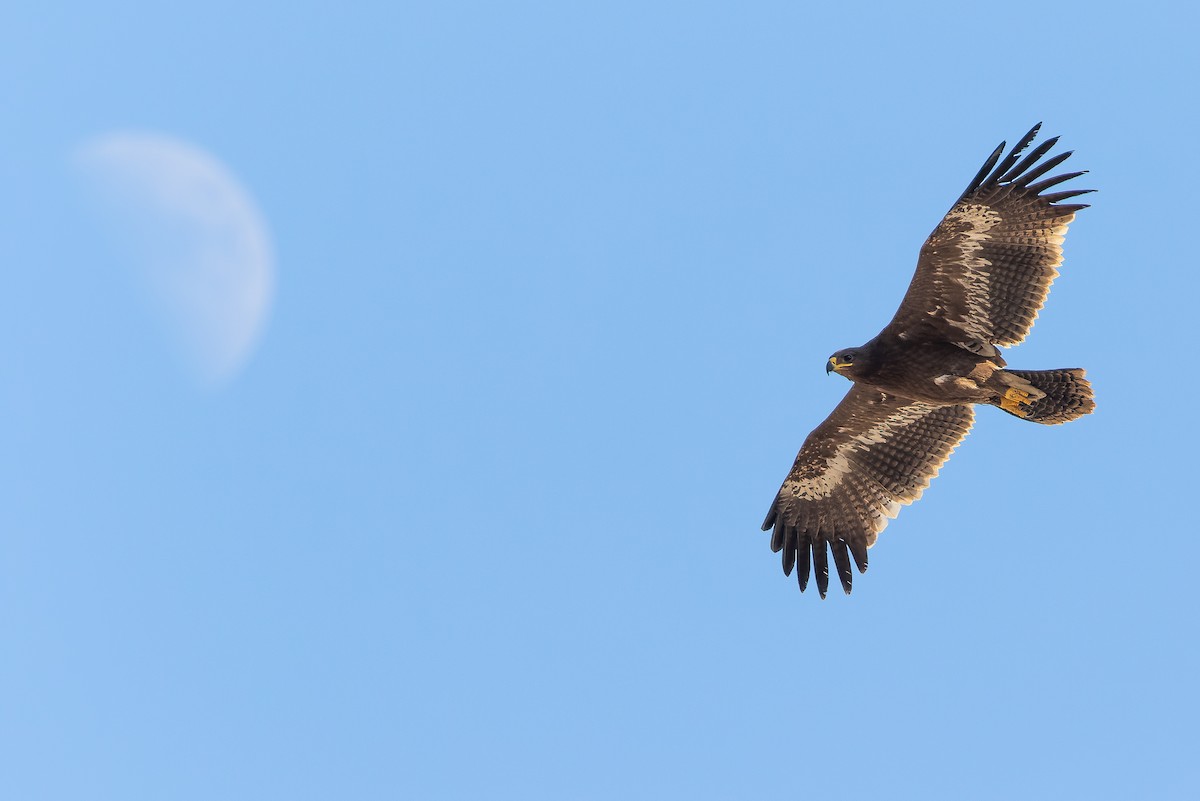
[
  {"x": 930, "y": 371},
  {"x": 982, "y": 276}
]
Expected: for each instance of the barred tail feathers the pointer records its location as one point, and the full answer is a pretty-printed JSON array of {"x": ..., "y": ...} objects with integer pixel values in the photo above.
[{"x": 1068, "y": 396}]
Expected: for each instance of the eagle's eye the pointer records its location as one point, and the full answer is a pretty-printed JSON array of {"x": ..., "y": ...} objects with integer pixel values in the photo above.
[{"x": 848, "y": 358}]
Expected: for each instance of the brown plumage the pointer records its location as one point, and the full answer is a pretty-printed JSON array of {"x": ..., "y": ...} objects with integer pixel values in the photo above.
[{"x": 981, "y": 278}]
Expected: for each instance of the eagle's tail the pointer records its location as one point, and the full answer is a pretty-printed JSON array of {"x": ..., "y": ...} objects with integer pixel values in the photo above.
[{"x": 1068, "y": 395}]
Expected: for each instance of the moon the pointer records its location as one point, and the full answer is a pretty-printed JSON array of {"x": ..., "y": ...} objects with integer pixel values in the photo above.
[{"x": 199, "y": 244}]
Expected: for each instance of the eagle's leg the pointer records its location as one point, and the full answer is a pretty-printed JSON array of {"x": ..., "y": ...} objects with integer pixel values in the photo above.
[
  {"x": 1017, "y": 393},
  {"x": 1013, "y": 399}
]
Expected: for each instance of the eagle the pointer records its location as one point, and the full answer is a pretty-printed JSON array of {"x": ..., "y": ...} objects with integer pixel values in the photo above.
[{"x": 981, "y": 277}]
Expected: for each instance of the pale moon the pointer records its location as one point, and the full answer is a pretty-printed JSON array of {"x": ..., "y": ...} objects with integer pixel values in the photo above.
[{"x": 199, "y": 244}]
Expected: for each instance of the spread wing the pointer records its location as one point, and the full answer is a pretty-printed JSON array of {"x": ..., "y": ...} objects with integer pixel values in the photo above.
[
  {"x": 986, "y": 270},
  {"x": 874, "y": 453}
]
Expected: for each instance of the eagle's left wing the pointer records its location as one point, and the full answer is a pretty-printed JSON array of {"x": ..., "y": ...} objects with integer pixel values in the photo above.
[
  {"x": 875, "y": 452},
  {"x": 986, "y": 270}
]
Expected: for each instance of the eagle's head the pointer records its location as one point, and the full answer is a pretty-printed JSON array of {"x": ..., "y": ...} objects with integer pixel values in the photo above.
[{"x": 848, "y": 362}]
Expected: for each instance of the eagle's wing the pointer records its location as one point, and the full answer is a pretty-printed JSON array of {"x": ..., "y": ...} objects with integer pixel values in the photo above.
[
  {"x": 986, "y": 269},
  {"x": 875, "y": 452}
]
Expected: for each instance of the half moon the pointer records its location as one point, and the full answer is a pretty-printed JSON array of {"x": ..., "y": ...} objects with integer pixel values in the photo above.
[{"x": 199, "y": 242}]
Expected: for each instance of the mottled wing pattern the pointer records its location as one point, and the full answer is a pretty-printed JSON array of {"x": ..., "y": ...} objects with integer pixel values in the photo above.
[
  {"x": 874, "y": 453},
  {"x": 986, "y": 270}
]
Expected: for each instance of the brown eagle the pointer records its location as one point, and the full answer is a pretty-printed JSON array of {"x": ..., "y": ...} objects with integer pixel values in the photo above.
[{"x": 981, "y": 278}]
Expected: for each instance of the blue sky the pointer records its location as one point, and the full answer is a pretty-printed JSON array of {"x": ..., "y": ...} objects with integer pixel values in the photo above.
[{"x": 555, "y": 284}]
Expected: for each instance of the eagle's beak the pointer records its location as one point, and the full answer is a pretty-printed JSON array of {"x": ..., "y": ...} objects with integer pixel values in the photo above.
[{"x": 830, "y": 365}]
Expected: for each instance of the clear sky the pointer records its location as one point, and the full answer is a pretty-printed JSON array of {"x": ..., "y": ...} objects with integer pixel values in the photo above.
[{"x": 476, "y": 513}]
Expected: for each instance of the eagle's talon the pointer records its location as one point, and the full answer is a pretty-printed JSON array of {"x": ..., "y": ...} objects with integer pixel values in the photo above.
[{"x": 1013, "y": 398}]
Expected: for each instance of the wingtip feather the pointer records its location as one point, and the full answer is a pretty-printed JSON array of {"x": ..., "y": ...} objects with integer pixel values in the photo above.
[
  {"x": 858, "y": 549},
  {"x": 821, "y": 566},
  {"x": 770, "y": 521},
  {"x": 804, "y": 567},
  {"x": 841, "y": 559},
  {"x": 789, "y": 560}
]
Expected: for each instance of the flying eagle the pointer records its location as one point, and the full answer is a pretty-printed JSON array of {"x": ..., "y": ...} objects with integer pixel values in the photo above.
[{"x": 981, "y": 278}]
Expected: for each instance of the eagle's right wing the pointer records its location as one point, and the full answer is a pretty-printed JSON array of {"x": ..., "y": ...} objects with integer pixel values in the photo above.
[
  {"x": 875, "y": 452},
  {"x": 986, "y": 270}
]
